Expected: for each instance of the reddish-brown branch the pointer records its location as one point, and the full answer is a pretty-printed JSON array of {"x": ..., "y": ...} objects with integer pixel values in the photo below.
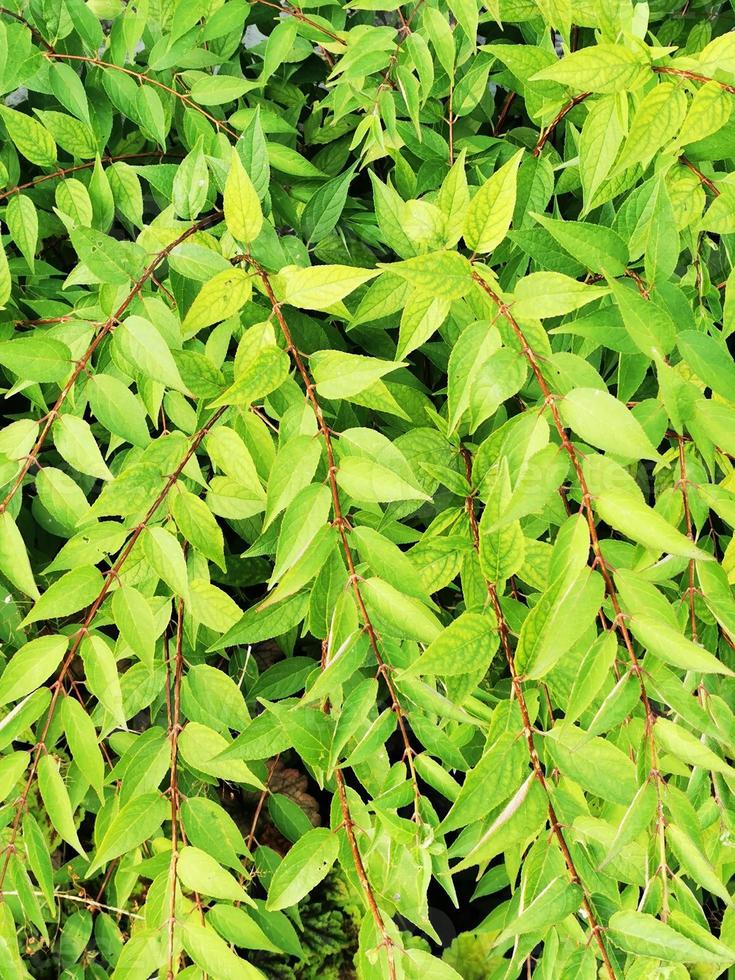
[
  {"x": 81, "y": 364},
  {"x": 173, "y": 735},
  {"x": 546, "y": 133},
  {"x": 341, "y": 524},
  {"x": 690, "y": 534},
  {"x": 538, "y": 769},
  {"x": 35, "y": 33},
  {"x": 600, "y": 562},
  {"x": 710, "y": 184},
  {"x": 367, "y": 888},
  {"x": 261, "y": 802},
  {"x": 142, "y": 77},
  {"x": 299, "y": 15},
  {"x": 111, "y": 576},
  {"x": 503, "y": 115},
  {"x": 65, "y": 171},
  {"x": 693, "y": 76}
]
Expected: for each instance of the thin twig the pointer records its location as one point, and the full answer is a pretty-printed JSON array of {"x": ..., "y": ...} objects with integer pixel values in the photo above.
[
  {"x": 692, "y": 76},
  {"x": 546, "y": 133},
  {"x": 142, "y": 77},
  {"x": 65, "y": 171},
  {"x": 173, "y": 736},
  {"x": 505, "y": 109},
  {"x": 35, "y": 33},
  {"x": 91, "y": 903},
  {"x": 299, "y": 15},
  {"x": 710, "y": 184},
  {"x": 261, "y": 802}
]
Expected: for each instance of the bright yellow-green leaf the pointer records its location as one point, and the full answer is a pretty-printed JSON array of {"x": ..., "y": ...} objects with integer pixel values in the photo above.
[
  {"x": 491, "y": 209},
  {"x": 243, "y": 215}
]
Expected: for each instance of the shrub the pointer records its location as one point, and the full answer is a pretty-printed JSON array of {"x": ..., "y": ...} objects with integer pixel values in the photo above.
[{"x": 367, "y": 489}]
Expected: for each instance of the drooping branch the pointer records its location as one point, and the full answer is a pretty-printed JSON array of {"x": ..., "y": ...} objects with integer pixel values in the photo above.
[
  {"x": 35, "y": 33},
  {"x": 504, "y": 633},
  {"x": 81, "y": 365},
  {"x": 111, "y": 576},
  {"x": 65, "y": 171},
  {"x": 600, "y": 562},
  {"x": 142, "y": 78},
  {"x": 340, "y": 522},
  {"x": 618, "y": 623},
  {"x": 565, "y": 110},
  {"x": 174, "y": 728}
]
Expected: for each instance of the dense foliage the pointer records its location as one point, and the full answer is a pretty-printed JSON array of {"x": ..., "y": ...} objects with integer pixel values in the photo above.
[{"x": 367, "y": 495}]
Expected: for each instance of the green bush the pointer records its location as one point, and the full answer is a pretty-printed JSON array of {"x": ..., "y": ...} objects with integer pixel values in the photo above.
[{"x": 367, "y": 489}]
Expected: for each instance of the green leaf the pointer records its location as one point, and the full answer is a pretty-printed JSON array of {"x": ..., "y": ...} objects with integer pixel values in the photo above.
[
  {"x": 497, "y": 775},
  {"x": 118, "y": 409},
  {"x": 321, "y": 287},
  {"x": 137, "y": 342},
  {"x": 21, "y": 217},
  {"x": 134, "y": 823},
  {"x": 29, "y": 137},
  {"x": 491, "y": 209},
  {"x": 604, "y": 68},
  {"x": 199, "y": 872},
  {"x": 101, "y": 676},
  {"x": 166, "y": 557},
  {"x": 598, "y": 248},
  {"x": 687, "y": 747},
  {"x": 545, "y": 294},
  {"x": 219, "y": 298},
  {"x": 14, "y": 562},
  {"x": 401, "y": 615},
  {"x": 135, "y": 621},
  {"x": 111, "y": 261},
  {"x": 596, "y": 764},
  {"x": 366, "y": 480},
  {"x": 638, "y": 521},
  {"x": 305, "y": 515},
  {"x": 467, "y": 644},
  {"x": 695, "y": 863},
  {"x": 201, "y": 747},
  {"x": 447, "y": 275},
  {"x": 306, "y": 864},
  {"x": 668, "y": 644},
  {"x": 643, "y": 935},
  {"x": 325, "y": 206},
  {"x": 649, "y": 326},
  {"x": 75, "y": 441},
  {"x": 30, "y": 666},
  {"x": 72, "y": 592},
  {"x": 195, "y": 521},
  {"x": 81, "y": 737},
  {"x": 243, "y": 216},
  {"x": 214, "y": 956},
  {"x": 340, "y": 375},
  {"x": 604, "y": 422},
  {"x": 36, "y": 358},
  {"x": 57, "y": 803}
]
